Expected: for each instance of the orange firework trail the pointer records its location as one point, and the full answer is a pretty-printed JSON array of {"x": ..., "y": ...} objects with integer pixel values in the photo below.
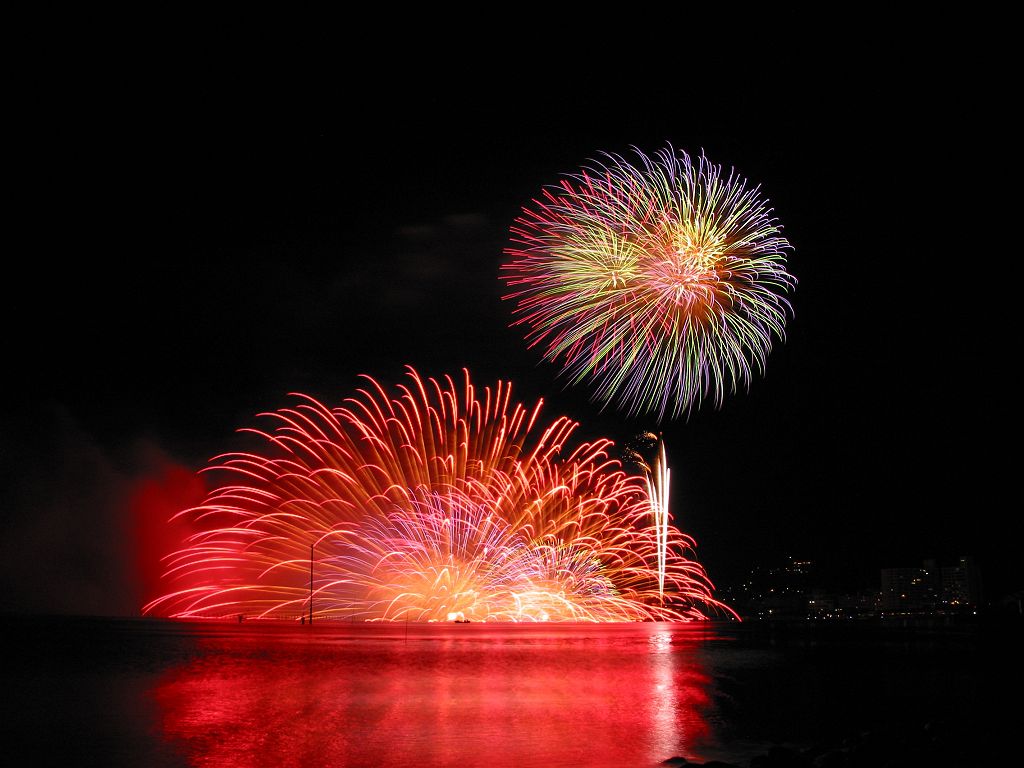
[{"x": 437, "y": 502}]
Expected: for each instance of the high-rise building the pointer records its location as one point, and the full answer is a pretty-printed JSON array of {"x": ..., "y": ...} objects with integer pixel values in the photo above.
[
  {"x": 961, "y": 585},
  {"x": 911, "y": 590},
  {"x": 931, "y": 589}
]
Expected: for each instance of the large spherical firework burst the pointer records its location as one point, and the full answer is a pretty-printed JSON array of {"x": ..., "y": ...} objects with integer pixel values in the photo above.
[
  {"x": 433, "y": 503},
  {"x": 661, "y": 282}
]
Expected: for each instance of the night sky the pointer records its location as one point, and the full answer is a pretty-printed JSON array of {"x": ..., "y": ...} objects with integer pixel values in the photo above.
[{"x": 207, "y": 233}]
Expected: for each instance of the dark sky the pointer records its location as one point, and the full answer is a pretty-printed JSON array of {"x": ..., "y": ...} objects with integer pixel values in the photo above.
[{"x": 208, "y": 232}]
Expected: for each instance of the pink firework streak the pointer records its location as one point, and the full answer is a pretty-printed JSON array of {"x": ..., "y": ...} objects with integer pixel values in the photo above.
[{"x": 431, "y": 504}]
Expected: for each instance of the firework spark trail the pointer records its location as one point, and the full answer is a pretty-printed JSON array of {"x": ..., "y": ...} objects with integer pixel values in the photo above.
[
  {"x": 659, "y": 488},
  {"x": 661, "y": 283},
  {"x": 433, "y": 502}
]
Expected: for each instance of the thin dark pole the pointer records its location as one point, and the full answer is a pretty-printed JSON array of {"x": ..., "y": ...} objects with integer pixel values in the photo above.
[{"x": 311, "y": 585}]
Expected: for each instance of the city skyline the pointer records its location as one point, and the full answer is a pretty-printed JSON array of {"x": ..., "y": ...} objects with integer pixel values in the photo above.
[{"x": 793, "y": 589}]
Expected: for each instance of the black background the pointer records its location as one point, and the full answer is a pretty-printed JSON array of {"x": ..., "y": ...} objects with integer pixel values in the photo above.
[{"x": 209, "y": 217}]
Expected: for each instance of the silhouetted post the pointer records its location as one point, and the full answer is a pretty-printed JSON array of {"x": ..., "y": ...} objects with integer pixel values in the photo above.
[{"x": 311, "y": 585}]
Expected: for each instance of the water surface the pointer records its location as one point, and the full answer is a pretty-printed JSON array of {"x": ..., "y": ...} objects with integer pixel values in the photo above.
[{"x": 155, "y": 693}]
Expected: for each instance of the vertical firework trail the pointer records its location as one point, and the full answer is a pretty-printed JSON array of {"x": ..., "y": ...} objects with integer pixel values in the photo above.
[
  {"x": 658, "y": 488},
  {"x": 434, "y": 501}
]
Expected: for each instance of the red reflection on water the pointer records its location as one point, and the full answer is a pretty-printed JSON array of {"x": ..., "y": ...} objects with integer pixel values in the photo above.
[{"x": 500, "y": 695}]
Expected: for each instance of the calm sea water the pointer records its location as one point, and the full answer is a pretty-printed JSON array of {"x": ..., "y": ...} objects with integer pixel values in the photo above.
[{"x": 156, "y": 693}]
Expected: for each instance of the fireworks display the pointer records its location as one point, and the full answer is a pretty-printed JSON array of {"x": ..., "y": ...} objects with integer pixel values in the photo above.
[
  {"x": 662, "y": 283},
  {"x": 438, "y": 502}
]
